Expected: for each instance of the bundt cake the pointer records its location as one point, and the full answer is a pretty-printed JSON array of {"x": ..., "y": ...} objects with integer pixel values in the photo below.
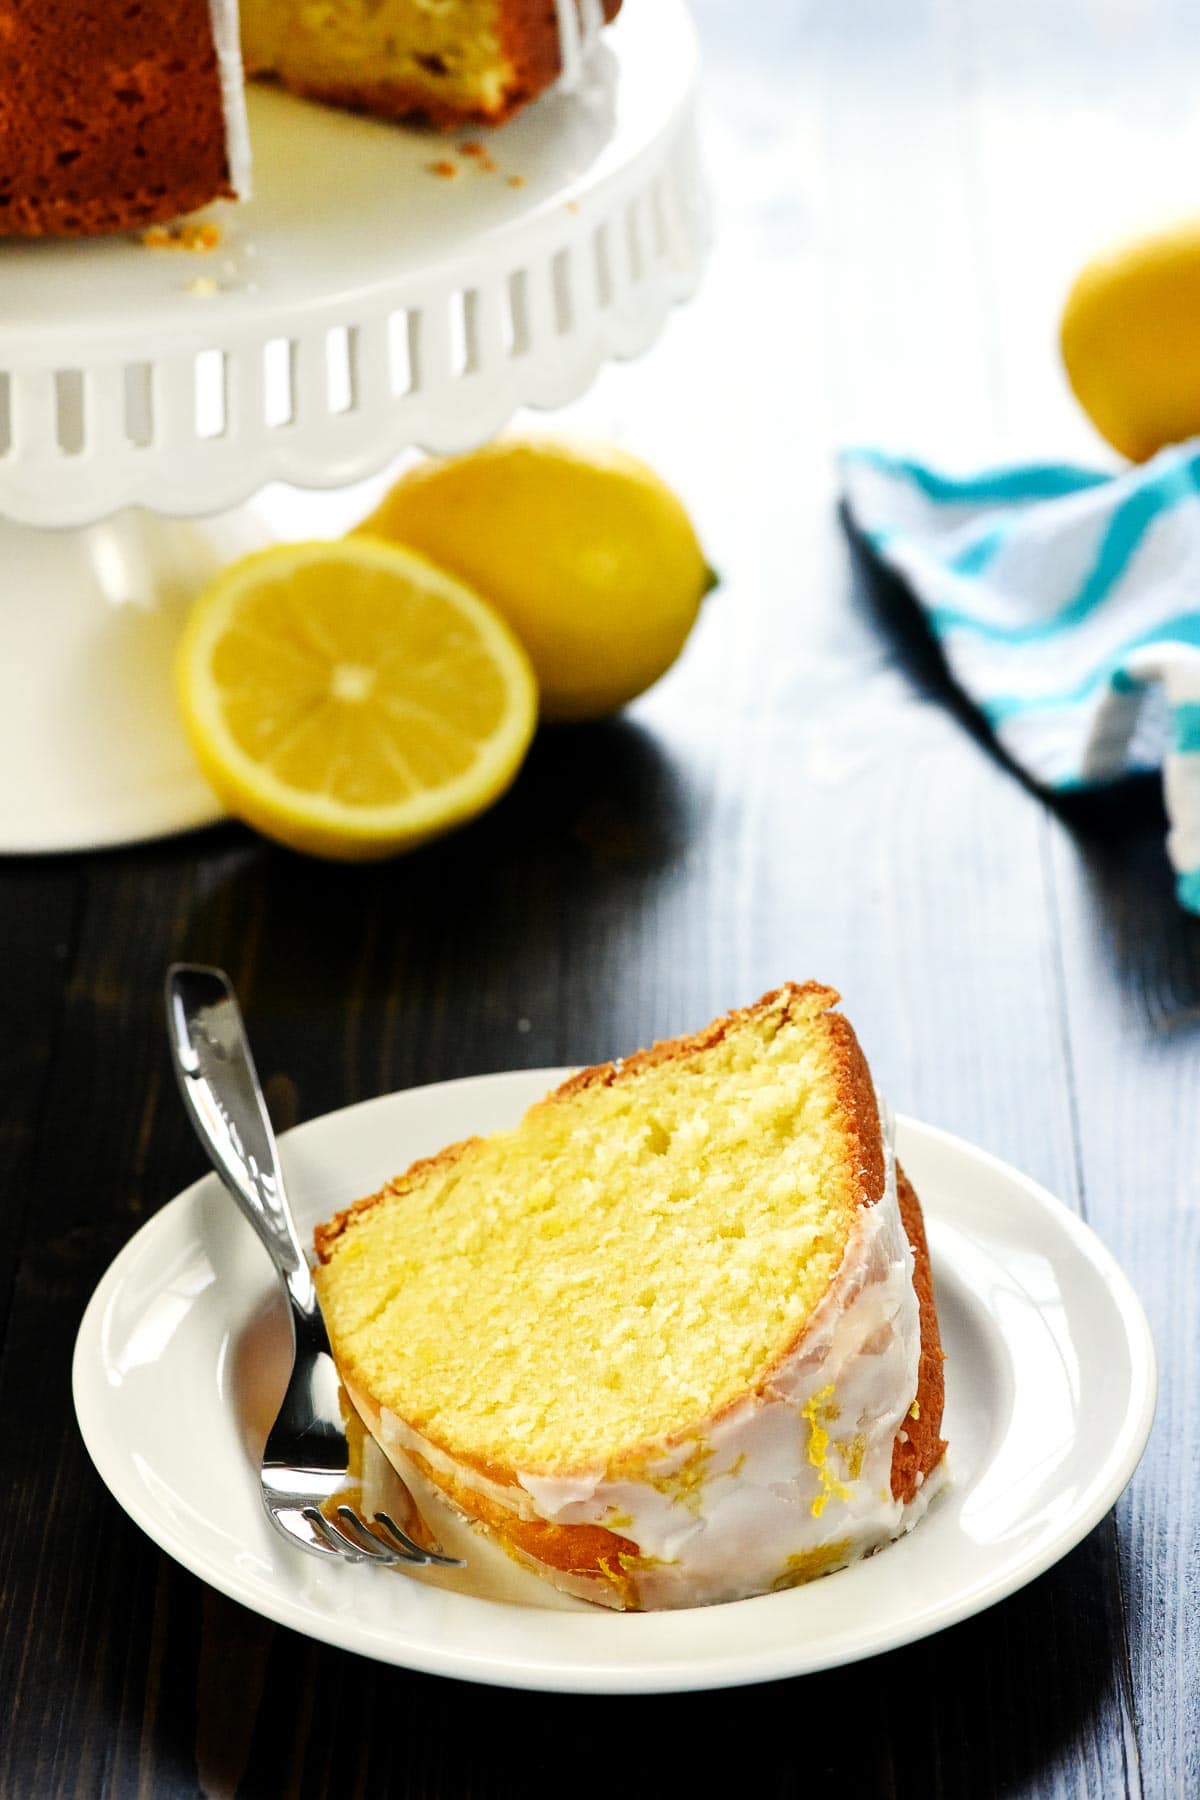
[
  {"x": 124, "y": 113},
  {"x": 672, "y": 1340}
]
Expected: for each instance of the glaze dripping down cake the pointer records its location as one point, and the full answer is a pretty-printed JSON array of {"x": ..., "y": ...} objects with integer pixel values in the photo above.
[
  {"x": 672, "y": 1340},
  {"x": 116, "y": 114}
]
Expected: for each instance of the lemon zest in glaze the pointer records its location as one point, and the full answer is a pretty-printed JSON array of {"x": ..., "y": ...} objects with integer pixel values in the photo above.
[
  {"x": 631, "y": 1560},
  {"x": 619, "y": 1580},
  {"x": 820, "y": 1412},
  {"x": 805, "y": 1565},
  {"x": 914, "y": 1411},
  {"x": 683, "y": 1484},
  {"x": 852, "y": 1455},
  {"x": 621, "y": 1576}
]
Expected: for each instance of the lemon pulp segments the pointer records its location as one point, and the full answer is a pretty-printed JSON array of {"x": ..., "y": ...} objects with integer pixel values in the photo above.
[{"x": 351, "y": 699}]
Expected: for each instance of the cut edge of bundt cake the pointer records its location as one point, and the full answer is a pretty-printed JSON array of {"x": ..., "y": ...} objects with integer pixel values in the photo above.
[{"x": 475, "y": 65}]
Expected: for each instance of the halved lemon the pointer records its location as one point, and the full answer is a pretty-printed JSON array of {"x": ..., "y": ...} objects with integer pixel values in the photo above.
[{"x": 350, "y": 699}]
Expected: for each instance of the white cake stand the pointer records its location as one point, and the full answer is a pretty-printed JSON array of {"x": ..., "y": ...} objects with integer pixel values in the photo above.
[{"x": 358, "y": 305}]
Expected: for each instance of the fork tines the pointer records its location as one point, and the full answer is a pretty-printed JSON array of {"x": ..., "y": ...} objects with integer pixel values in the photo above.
[{"x": 386, "y": 1543}]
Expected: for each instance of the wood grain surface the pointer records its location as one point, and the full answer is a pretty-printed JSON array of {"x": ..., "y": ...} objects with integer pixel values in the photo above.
[{"x": 903, "y": 193}]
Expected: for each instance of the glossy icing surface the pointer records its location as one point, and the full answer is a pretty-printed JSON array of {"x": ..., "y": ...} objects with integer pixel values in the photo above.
[
  {"x": 224, "y": 15},
  {"x": 579, "y": 25}
]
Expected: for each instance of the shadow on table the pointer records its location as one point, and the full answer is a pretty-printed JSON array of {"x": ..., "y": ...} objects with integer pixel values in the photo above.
[
  {"x": 482, "y": 923},
  {"x": 984, "y": 1708},
  {"x": 1120, "y": 831},
  {"x": 995, "y": 1706}
]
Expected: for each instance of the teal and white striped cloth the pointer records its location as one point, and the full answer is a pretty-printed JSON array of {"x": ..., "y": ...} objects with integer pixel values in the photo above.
[{"x": 1067, "y": 605}]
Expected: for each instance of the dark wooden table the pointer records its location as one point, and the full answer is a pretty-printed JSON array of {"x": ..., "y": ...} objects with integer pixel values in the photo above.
[{"x": 903, "y": 192}]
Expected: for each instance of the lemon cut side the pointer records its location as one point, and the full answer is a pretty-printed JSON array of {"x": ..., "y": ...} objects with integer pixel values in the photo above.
[{"x": 351, "y": 700}]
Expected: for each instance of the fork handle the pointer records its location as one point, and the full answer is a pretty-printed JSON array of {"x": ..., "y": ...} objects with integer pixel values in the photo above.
[{"x": 220, "y": 1087}]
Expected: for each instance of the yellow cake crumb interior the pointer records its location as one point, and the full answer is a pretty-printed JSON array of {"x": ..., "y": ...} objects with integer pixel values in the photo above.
[
  {"x": 617, "y": 1266},
  {"x": 450, "y": 50}
]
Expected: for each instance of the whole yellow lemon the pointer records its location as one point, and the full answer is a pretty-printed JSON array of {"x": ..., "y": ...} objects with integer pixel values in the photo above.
[
  {"x": 587, "y": 554},
  {"x": 1130, "y": 340}
]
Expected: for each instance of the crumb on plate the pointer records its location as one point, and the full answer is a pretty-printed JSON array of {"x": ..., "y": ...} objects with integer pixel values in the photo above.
[
  {"x": 199, "y": 237},
  {"x": 480, "y": 155}
]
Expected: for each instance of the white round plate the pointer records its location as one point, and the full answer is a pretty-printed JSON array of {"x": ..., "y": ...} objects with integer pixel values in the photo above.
[{"x": 1050, "y": 1388}]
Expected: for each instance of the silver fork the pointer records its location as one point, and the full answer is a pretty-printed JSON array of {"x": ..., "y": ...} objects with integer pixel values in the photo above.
[{"x": 306, "y": 1459}]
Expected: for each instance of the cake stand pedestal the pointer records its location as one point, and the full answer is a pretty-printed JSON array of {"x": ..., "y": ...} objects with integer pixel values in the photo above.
[{"x": 362, "y": 303}]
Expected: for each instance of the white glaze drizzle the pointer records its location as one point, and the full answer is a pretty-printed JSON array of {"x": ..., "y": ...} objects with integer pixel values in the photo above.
[
  {"x": 579, "y": 25},
  {"x": 224, "y": 18}
]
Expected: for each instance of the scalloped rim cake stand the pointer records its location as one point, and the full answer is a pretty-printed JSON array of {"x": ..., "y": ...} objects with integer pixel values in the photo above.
[{"x": 358, "y": 305}]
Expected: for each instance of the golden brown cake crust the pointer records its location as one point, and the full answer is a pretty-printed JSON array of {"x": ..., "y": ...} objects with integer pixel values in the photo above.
[
  {"x": 111, "y": 115},
  {"x": 326, "y": 1236},
  {"x": 920, "y": 1450}
]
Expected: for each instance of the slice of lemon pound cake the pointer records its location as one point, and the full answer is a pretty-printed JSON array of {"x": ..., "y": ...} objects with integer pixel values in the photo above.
[{"x": 672, "y": 1340}]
